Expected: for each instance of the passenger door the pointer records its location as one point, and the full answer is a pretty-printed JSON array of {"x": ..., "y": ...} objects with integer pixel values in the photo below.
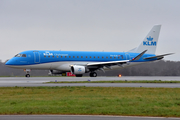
[
  {"x": 36, "y": 57},
  {"x": 127, "y": 56}
]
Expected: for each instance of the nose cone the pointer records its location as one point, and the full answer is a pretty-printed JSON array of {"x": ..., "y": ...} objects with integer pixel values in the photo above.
[
  {"x": 10, "y": 62},
  {"x": 7, "y": 63}
]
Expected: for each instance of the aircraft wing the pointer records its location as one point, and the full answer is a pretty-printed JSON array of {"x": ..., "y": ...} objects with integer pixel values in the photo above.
[
  {"x": 110, "y": 63},
  {"x": 158, "y": 56}
]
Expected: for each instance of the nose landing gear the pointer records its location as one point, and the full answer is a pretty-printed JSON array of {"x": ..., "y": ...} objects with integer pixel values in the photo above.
[
  {"x": 93, "y": 74},
  {"x": 27, "y": 75},
  {"x": 27, "y": 72}
]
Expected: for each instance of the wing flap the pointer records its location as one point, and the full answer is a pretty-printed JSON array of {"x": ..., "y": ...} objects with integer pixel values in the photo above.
[{"x": 107, "y": 63}]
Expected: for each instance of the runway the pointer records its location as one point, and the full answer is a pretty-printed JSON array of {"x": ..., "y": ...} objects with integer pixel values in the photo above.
[
  {"x": 41, "y": 81},
  {"x": 47, "y": 79},
  {"x": 78, "y": 117}
]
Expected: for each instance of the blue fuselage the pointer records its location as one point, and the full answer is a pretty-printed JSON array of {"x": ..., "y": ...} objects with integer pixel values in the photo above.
[
  {"x": 42, "y": 57},
  {"x": 62, "y": 60}
]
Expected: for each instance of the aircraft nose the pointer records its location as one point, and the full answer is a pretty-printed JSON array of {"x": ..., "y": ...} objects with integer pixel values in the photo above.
[{"x": 9, "y": 62}]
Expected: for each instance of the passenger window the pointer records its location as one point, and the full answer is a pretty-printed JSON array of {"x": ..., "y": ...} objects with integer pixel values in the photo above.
[
  {"x": 69, "y": 56},
  {"x": 94, "y": 57},
  {"x": 44, "y": 56},
  {"x": 106, "y": 57},
  {"x": 102, "y": 57},
  {"x": 53, "y": 56},
  {"x": 98, "y": 56},
  {"x": 118, "y": 57},
  {"x": 114, "y": 57},
  {"x": 73, "y": 56},
  {"x": 81, "y": 56},
  {"x": 77, "y": 56},
  {"x": 110, "y": 57},
  {"x": 61, "y": 56},
  {"x": 90, "y": 57},
  {"x": 57, "y": 56},
  {"x": 49, "y": 56},
  {"x": 86, "y": 57},
  {"x": 65, "y": 56}
]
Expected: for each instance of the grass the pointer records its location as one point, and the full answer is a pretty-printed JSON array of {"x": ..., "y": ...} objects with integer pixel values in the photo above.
[
  {"x": 91, "y": 101},
  {"x": 117, "y": 81}
]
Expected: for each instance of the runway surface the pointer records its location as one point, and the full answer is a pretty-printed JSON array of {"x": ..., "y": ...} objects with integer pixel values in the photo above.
[
  {"x": 41, "y": 81},
  {"x": 77, "y": 117}
]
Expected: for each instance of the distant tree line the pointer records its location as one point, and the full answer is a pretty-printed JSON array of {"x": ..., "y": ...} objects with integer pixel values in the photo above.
[
  {"x": 159, "y": 68},
  {"x": 6, "y": 71}
]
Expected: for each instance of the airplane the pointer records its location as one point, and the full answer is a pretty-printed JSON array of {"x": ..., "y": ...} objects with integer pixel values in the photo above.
[{"x": 81, "y": 62}]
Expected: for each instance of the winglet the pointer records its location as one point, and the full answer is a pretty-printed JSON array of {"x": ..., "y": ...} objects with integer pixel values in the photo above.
[{"x": 139, "y": 56}]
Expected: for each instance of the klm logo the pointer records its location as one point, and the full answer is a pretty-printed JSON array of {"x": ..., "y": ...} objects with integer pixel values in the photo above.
[
  {"x": 79, "y": 70},
  {"x": 149, "y": 42},
  {"x": 47, "y": 53}
]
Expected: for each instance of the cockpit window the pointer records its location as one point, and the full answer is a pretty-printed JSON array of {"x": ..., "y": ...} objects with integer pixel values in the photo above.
[
  {"x": 20, "y": 55},
  {"x": 23, "y": 55}
]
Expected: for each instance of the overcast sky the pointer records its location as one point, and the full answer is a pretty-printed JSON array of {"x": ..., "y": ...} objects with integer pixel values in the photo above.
[{"x": 87, "y": 25}]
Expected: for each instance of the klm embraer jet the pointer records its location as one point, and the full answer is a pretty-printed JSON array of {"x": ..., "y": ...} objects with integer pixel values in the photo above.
[{"x": 80, "y": 62}]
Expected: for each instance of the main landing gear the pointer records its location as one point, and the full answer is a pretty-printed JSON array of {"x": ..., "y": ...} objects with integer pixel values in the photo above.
[
  {"x": 79, "y": 75},
  {"x": 93, "y": 74},
  {"x": 27, "y": 72}
]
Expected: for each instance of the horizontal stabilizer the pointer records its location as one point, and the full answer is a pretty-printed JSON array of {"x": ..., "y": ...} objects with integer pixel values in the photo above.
[{"x": 158, "y": 56}]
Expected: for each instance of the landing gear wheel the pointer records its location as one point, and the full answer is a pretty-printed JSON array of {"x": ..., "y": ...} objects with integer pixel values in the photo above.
[
  {"x": 79, "y": 75},
  {"x": 93, "y": 74},
  {"x": 27, "y": 75}
]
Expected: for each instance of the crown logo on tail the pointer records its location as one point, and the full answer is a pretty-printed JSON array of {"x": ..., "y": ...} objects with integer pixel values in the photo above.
[{"x": 149, "y": 38}]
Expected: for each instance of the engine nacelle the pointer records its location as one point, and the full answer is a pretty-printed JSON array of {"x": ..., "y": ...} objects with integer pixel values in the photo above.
[
  {"x": 54, "y": 72},
  {"x": 77, "y": 69}
]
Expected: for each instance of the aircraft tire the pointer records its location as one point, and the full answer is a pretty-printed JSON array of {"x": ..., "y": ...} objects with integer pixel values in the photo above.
[
  {"x": 27, "y": 75},
  {"x": 93, "y": 74},
  {"x": 79, "y": 75}
]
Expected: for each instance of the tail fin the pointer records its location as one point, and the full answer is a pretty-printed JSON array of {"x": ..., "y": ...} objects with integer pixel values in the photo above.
[{"x": 150, "y": 41}]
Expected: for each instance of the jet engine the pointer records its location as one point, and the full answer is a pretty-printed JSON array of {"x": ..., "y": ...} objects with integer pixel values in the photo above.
[
  {"x": 55, "y": 72},
  {"x": 77, "y": 69}
]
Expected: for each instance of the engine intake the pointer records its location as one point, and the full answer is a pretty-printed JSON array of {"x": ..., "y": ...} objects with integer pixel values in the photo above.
[{"x": 77, "y": 69}]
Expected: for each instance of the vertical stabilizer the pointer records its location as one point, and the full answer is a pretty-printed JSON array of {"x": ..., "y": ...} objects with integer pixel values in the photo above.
[{"x": 150, "y": 41}]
